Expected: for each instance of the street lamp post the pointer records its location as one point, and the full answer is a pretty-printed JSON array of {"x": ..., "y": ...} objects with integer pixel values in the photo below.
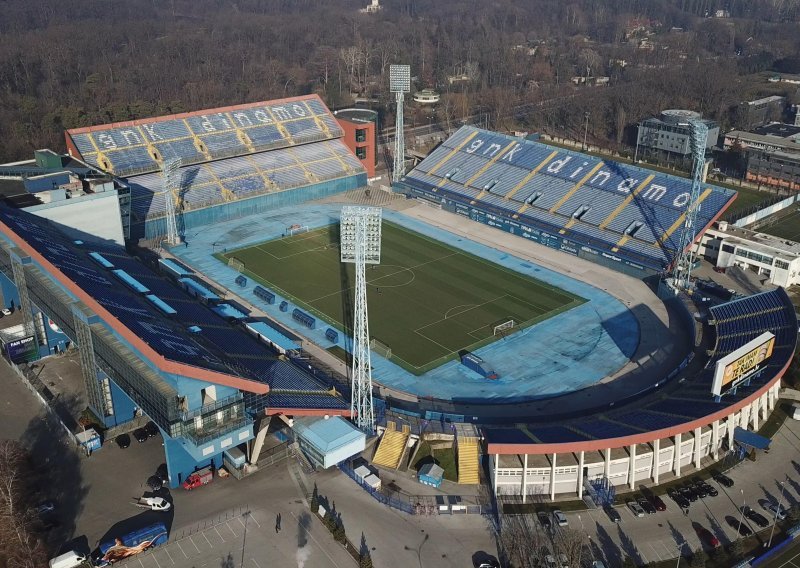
[
  {"x": 585, "y": 129},
  {"x": 741, "y": 515},
  {"x": 778, "y": 510},
  {"x": 680, "y": 547}
]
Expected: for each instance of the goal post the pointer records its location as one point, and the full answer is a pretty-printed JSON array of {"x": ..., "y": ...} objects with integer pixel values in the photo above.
[
  {"x": 505, "y": 327},
  {"x": 380, "y": 348},
  {"x": 236, "y": 264},
  {"x": 295, "y": 229}
]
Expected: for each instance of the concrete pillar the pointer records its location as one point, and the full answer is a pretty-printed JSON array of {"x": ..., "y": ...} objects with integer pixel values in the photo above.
[
  {"x": 715, "y": 440},
  {"x": 255, "y": 445},
  {"x": 580, "y": 475},
  {"x": 754, "y": 414},
  {"x": 607, "y": 470},
  {"x": 698, "y": 435},
  {"x": 656, "y": 459},
  {"x": 632, "y": 466},
  {"x": 524, "y": 477},
  {"x": 730, "y": 425},
  {"x": 553, "y": 478},
  {"x": 494, "y": 477},
  {"x": 764, "y": 406},
  {"x": 676, "y": 456}
]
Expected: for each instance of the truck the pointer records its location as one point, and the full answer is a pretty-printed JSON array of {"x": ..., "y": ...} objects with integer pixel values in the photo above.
[
  {"x": 198, "y": 478},
  {"x": 131, "y": 544},
  {"x": 153, "y": 503}
]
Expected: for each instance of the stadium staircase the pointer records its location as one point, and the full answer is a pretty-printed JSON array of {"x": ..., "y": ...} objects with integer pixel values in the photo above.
[
  {"x": 392, "y": 446},
  {"x": 468, "y": 460}
]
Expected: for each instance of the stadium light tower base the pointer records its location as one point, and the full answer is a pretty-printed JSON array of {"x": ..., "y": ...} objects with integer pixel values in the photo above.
[{"x": 360, "y": 244}]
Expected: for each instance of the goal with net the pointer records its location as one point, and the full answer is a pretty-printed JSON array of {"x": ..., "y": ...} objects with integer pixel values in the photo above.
[
  {"x": 505, "y": 328},
  {"x": 295, "y": 229},
  {"x": 380, "y": 348},
  {"x": 237, "y": 265}
]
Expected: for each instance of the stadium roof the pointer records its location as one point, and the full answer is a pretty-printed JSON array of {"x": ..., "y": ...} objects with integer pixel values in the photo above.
[
  {"x": 672, "y": 408},
  {"x": 609, "y": 208},
  {"x": 171, "y": 329},
  {"x": 141, "y": 146}
]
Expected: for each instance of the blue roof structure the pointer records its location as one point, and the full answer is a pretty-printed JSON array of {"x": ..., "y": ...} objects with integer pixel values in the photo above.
[
  {"x": 748, "y": 438},
  {"x": 228, "y": 311},
  {"x": 198, "y": 289},
  {"x": 617, "y": 208},
  {"x": 326, "y": 434},
  {"x": 162, "y": 319}
]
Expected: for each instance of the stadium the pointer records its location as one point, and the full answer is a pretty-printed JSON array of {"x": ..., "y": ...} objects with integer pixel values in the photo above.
[{"x": 519, "y": 304}]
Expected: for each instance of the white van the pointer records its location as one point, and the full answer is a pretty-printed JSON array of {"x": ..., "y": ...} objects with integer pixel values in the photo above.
[
  {"x": 69, "y": 559},
  {"x": 796, "y": 411}
]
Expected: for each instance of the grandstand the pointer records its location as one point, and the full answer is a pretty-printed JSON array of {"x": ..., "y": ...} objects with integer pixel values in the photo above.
[
  {"x": 236, "y": 160},
  {"x": 616, "y": 214},
  {"x": 158, "y": 346},
  {"x": 682, "y": 414}
]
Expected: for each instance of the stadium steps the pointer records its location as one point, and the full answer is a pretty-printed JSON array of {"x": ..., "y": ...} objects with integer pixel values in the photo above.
[
  {"x": 392, "y": 447},
  {"x": 468, "y": 461}
]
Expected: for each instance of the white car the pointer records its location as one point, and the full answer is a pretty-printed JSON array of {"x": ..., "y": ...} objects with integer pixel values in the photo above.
[
  {"x": 6, "y": 312},
  {"x": 635, "y": 508},
  {"x": 560, "y": 518},
  {"x": 777, "y": 512}
]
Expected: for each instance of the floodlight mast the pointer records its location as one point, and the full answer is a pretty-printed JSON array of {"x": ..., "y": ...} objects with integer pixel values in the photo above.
[
  {"x": 360, "y": 244},
  {"x": 686, "y": 254},
  {"x": 399, "y": 83},
  {"x": 171, "y": 171}
]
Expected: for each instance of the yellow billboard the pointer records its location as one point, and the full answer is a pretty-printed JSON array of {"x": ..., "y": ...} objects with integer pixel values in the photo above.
[{"x": 742, "y": 363}]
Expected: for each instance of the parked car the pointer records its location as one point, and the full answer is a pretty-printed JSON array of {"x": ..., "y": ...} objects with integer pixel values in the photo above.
[
  {"x": 738, "y": 525},
  {"x": 722, "y": 479},
  {"x": 598, "y": 564},
  {"x": 703, "y": 488},
  {"x": 140, "y": 434},
  {"x": 151, "y": 429},
  {"x": 635, "y": 508},
  {"x": 612, "y": 513},
  {"x": 689, "y": 493},
  {"x": 646, "y": 505},
  {"x": 707, "y": 536},
  {"x": 755, "y": 516},
  {"x": 6, "y": 312},
  {"x": 123, "y": 441},
  {"x": 710, "y": 489},
  {"x": 560, "y": 518},
  {"x": 698, "y": 488},
  {"x": 658, "y": 503},
  {"x": 679, "y": 499},
  {"x": 778, "y": 512},
  {"x": 544, "y": 519}
]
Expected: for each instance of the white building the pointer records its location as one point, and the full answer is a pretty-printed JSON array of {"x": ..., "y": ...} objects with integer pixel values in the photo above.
[{"x": 769, "y": 256}]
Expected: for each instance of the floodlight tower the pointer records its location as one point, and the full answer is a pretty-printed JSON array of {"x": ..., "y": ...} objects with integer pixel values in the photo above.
[
  {"x": 171, "y": 171},
  {"x": 683, "y": 265},
  {"x": 399, "y": 83},
  {"x": 360, "y": 244}
]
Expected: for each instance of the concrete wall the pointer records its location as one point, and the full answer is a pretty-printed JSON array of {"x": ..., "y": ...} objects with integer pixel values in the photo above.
[{"x": 766, "y": 212}]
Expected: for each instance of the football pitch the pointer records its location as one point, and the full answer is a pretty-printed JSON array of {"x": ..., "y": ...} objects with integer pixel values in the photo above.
[
  {"x": 787, "y": 227},
  {"x": 427, "y": 300}
]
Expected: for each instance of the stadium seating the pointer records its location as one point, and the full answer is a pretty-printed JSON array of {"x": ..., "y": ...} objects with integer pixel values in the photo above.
[
  {"x": 620, "y": 209},
  {"x": 137, "y": 147},
  {"x": 139, "y": 306},
  {"x": 243, "y": 176}
]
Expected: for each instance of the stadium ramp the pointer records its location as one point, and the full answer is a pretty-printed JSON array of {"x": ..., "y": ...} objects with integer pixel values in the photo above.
[
  {"x": 392, "y": 446},
  {"x": 468, "y": 455}
]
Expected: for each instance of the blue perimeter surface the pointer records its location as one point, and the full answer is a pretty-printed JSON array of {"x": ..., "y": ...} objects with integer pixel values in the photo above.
[{"x": 566, "y": 353}]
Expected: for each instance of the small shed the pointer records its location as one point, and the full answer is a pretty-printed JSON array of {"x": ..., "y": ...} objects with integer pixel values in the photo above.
[
  {"x": 431, "y": 474},
  {"x": 362, "y": 471}
]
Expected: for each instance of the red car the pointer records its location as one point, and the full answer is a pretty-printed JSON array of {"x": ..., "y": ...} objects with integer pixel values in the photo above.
[{"x": 707, "y": 537}]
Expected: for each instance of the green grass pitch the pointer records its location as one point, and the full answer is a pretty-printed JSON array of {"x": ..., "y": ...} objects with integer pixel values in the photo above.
[
  {"x": 427, "y": 300},
  {"x": 787, "y": 227}
]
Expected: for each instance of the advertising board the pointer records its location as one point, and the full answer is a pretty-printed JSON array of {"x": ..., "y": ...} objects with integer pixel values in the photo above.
[{"x": 738, "y": 366}]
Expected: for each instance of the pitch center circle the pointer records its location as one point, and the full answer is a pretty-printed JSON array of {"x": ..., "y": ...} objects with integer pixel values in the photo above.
[{"x": 389, "y": 275}]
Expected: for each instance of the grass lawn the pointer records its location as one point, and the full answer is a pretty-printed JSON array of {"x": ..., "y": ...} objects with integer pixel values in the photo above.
[
  {"x": 446, "y": 459},
  {"x": 427, "y": 300}
]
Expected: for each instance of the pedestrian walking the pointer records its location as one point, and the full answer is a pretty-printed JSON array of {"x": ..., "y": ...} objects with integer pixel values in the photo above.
[{"x": 278, "y": 523}]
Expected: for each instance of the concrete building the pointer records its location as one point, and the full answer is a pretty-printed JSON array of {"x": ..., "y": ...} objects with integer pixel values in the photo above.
[
  {"x": 667, "y": 138},
  {"x": 752, "y": 114},
  {"x": 775, "y": 259},
  {"x": 360, "y": 128},
  {"x": 772, "y": 154}
]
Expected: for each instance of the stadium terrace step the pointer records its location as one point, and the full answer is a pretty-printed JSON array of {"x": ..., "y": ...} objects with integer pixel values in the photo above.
[
  {"x": 468, "y": 461},
  {"x": 391, "y": 448}
]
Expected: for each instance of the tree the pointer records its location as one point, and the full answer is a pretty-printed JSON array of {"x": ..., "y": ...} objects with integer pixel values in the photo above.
[
  {"x": 339, "y": 534},
  {"x": 698, "y": 559},
  {"x": 364, "y": 557},
  {"x": 315, "y": 499}
]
